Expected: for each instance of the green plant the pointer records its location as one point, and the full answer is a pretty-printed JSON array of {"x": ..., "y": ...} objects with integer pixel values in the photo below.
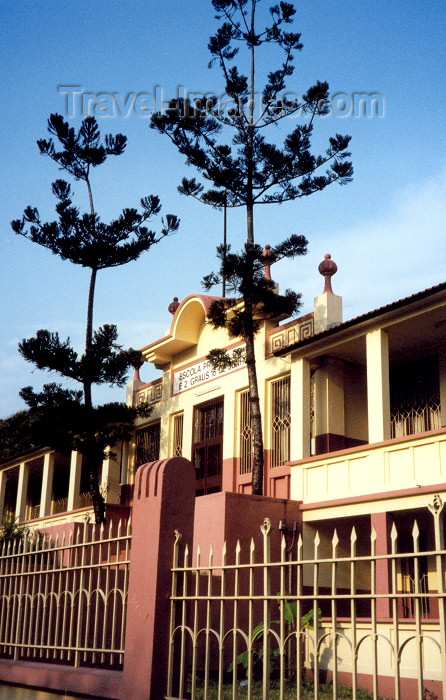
[
  {"x": 290, "y": 616},
  {"x": 11, "y": 531}
]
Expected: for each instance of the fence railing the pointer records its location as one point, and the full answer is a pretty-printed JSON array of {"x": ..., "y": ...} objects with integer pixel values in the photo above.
[
  {"x": 64, "y": 600},
  {"x": 337, "y": 613}
]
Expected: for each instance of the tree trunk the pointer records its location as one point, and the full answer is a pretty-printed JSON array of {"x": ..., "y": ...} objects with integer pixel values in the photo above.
[
  {"x": 96, "y": 496},
  {"x": 256, "y": 416}
]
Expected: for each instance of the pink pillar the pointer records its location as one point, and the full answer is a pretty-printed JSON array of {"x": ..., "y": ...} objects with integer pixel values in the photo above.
[
  {"x": 382, "y": 522},
  {"x": 164, "y": 501}
]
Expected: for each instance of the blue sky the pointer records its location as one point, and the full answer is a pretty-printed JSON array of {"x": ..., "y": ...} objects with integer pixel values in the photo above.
[{"x": 386, "y": 230}]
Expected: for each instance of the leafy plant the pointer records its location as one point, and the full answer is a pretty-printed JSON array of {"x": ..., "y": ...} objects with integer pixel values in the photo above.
[
  {"x": 290, "y": 616},
  {"x": 12, "y": 531}
]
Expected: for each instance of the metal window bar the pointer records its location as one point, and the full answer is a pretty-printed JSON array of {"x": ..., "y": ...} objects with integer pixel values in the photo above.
[
  {"x": 248, "y": 613},
  {"x": 177, "y": 446},
  {"x": 208, "y": 420},
  {"x": 66, "y": 601},
  {"x": 415, "y": 397},
  {"x": 280, "y": 421},
  {"x": 245, "y": 438},
  {"x": 147, "y": 444}
]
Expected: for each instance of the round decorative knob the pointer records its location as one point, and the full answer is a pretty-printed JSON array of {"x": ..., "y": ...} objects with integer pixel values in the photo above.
[
  {"x": 327, "y": 269},
  {"x": 173, "y": 306}
]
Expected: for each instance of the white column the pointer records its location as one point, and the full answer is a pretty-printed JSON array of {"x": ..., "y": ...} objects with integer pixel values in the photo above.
[
  {"x": 110, "y": 478},
  {"x": 47, "y": 485},
  {"x": 300, "y": 409},
  {"x": 75, "y": 480},
  {"x": 378, "y": 390},
  {"x": 22, "y": 492}
]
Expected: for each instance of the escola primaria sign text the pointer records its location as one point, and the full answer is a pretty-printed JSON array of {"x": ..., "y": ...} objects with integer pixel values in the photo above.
[{"x": 200, "y": 372}]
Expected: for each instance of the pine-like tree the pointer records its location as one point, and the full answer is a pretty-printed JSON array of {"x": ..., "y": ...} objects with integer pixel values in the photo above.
[
  {"x": 85, "y": 240},
  {"x": 247, "y": 170}
]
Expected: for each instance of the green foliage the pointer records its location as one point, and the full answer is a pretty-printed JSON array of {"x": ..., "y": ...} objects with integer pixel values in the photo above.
[
  {"x": 11, "y": 531},
  {"x": 237, "y": 167},
  {"x": 244, "y": 275},
  {"x": 16, "y": 435},
  {"x": 57, "y": 417},
  {"x": 251, "y": 170},
  {"x": 307, "y": 692},
  {"x": 290, "y": 616}
]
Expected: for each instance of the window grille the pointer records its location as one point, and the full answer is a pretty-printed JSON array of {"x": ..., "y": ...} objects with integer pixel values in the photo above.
[
  {"x": 208, "y": 420},
  {"x": 415, "y": 397},
  {"x": 245, "y": 438},
  {"x": 147, "y": 444},
  {"x": 177, "y": 443},
  {"x": 280, "y": 421},
  {"x": 207, "y": 447}
]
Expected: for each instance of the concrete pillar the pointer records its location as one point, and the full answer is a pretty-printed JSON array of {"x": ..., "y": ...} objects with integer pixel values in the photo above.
[
  {"x": 327, "y": 311},
  {"x": 382, "y": 522},
  {"x": 47, "y": 485},
  {"x": 300, "y": 409},
  {"x": 110, "y": 478},
  {"x": 164, "y": 501},
  {"x": 22, "y": 492},
  {"x": 75, "y": 480},
  {"x": 378, "y": 390},
  {"x": 329, "y": 412}
]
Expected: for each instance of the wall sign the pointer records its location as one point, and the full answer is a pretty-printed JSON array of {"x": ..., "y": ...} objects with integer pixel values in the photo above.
[{"x": 200, "y": 372}]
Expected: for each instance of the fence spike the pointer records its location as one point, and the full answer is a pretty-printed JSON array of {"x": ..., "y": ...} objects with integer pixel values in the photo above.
[
  {"x": 353, "y": 535},
  {"x": 283, "y": 544},
  {"x": 393, "y": 533},
  {"x": 335, "y": 541},
  {"x": 415, "y": 531},
  {"x": 265, "y": 527},
  {"x": 186, "y": 556},
  {"x": 317, "y": 541}
]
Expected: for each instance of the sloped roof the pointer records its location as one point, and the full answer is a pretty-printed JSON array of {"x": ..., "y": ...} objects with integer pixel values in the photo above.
[{"x": 363, "y": 318}]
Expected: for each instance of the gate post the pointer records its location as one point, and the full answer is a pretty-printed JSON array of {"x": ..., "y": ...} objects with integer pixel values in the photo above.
[{"x": 164, "y": 501}]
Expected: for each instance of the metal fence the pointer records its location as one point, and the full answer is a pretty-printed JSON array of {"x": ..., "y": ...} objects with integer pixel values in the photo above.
[
  {"x": 329, "y": 614},
  {"x": 63, "y": 600}
]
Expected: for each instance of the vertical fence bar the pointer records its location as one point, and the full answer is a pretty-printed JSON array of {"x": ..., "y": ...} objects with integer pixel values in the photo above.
[
  {"x": 354, "y": 648},
  {"x": 436, "y": 508},
  {"x": 334, "y": 623},
  {"x": 317, "y": 541},
  {"x": 373, "y": 631},
  {"x": 395, "y": 621},
  {"x": 251, "y": 591},
  {"x": 300, "y": 638},
  {"x": 222, "y": 624},
  {"x": 173, "y": 608},
  {"x": 418, "y": 607},
  {"x": 235, "y": 624},
  {"x": 266, "y": 531},
  {"x": 282, "y": 617},
  {"x": 195, "y": 624},
  {"x": 208, "y": 623}
]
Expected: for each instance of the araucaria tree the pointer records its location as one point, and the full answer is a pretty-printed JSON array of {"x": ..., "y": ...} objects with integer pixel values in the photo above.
[
  {"x": 246, "y": 170},
  {"x": 65, "y": 421}
]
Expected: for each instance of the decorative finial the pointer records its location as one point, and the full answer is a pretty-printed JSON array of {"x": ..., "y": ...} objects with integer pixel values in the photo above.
[
  {"x": 173, "y": 306},
  {"x": 268, "y": 259},
  {"x": 327, "y": 268}
]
